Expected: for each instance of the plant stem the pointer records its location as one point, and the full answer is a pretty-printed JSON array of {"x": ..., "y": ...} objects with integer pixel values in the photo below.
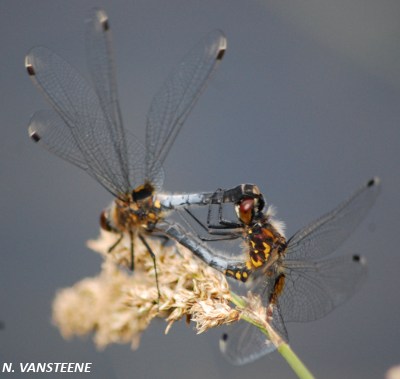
[
  {"x": 283, "y": 348},
  {"x": 294, "y": 361}
]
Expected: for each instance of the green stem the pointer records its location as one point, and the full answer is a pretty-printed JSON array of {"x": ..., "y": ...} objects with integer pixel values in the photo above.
[
  {"x": 237, "y": 300},
  {"x": 294, "y": 361},
  {"x": 283, "y": 348}
]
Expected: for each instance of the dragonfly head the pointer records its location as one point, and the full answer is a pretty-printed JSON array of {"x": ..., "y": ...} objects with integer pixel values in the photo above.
[
  {"x": 142, "y": 192},
  {"x": 250, "y": 203}
]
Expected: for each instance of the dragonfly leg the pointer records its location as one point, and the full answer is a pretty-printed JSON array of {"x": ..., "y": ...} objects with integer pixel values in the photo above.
[
  {"x": 220, "y": 235},
  {"x": 116, "y": 243},
  {"x": 132, "y": 251},
  {"x": 220, "y": 198},
  {"x": 153, "y": 257}
]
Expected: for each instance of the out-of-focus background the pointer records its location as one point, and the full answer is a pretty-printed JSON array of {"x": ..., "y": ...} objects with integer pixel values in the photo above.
[{"x": 306, "y": 104}]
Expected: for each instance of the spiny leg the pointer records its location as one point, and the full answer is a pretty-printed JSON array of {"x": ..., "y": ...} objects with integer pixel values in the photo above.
[{"x": 153, "y": 257}]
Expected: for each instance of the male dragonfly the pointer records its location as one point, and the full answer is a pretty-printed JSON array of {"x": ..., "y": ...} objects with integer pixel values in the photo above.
[{"x": 86, "y": 129}]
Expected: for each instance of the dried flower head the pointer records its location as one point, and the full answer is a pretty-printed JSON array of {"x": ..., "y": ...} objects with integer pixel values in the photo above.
[{"x": 117, "y": 305}]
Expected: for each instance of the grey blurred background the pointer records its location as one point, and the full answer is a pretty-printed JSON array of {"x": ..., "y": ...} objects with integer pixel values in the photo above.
[{"x": 305, "y": 104}]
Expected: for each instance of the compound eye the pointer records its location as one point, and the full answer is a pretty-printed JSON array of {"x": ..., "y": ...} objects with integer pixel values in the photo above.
[
  {"x": 104, "y": 222},
  {"x": 246, "y": 210}
]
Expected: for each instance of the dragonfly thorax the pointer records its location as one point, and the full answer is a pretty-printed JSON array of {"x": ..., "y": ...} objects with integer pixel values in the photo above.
[
  {"x": 131, "y": 214},
  {"x": 265, "y": 243}
]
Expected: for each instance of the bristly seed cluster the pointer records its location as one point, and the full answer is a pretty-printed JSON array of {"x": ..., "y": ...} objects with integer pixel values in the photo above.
[{"x": 117, "y": 305}]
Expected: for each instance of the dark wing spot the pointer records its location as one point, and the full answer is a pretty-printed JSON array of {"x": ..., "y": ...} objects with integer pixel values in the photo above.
[
  {"x": 106, "y": 25},
  {"x": 224, "y": 337},
  {"x": 371, "y": 182},
  {"x": 35, "y": 137},
  {"x": 221, "y": 54},
  {"x": 30, "y": 70},
  {"x": 356, "y": 258}
]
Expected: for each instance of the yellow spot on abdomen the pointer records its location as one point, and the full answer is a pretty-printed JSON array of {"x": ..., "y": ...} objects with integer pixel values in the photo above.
[{"x": 229, "y": 272}]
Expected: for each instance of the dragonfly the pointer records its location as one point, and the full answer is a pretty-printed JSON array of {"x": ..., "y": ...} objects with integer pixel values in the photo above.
[
  {"x": 86, "y": 129},
  {"x": 293, "y": 278}
]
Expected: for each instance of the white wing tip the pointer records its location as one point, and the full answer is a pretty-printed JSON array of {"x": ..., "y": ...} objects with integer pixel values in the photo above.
[{"x": 103, "y": 19}]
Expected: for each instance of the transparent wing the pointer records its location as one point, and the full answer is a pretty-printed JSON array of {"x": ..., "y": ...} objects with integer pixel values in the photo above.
[
  {"x": 314, "y": 289},
  {"x": 244, "y": 343},
  {"x": 93, "y": 120},
  {"x": 326, "y": 234},
  {"x": 47, "y": 128},
  {"x": 100, "y": 62},
  {"x": 311, "y": 290},
  {"x": 174, "y": 101}
]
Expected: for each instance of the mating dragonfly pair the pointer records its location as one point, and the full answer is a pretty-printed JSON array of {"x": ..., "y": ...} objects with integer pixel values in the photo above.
[{"x": 86, "y": 129}]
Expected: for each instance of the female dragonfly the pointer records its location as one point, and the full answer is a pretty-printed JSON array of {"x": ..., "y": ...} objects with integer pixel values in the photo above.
[
  {"x": 292, "y": 278},
  {"x": 86, "y": 129}
]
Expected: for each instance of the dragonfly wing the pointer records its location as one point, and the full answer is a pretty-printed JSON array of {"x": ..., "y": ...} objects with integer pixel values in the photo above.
[
  {"x": 91, "y": 115},
  {"x": 174, "y": 101},
  {"x": 127, "y": 151},
  {"x": 99, "y": 57},
  {"x": 325, "y": 235},
  {"x": 313, "y": 289},
  {"x": 47, "y": 128},
  {"x": 78, "y": 106},
  {"x": 244, "y": 343}
]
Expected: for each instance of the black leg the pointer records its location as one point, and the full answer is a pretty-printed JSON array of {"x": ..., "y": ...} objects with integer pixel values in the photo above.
[
  {"x": 220, "y": 234},
  {"x": 132, "y": 251},
  {"x": 224, "y": 223},
  {"x": 220, "y": 197},
  {"x": 153, "y": 257},
  {"x": 114, "y": 245}
]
